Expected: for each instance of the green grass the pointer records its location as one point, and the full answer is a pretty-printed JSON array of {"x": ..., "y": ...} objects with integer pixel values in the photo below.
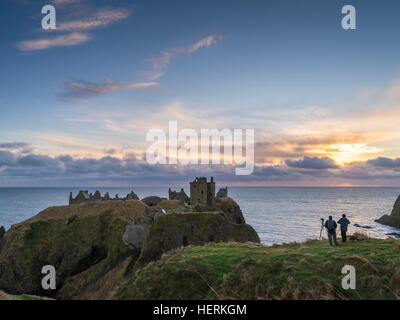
[{"x": 310, "y": 270}]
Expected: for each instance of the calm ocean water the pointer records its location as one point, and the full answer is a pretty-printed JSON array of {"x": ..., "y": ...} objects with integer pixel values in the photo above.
[{"x": 279, "y": 214}]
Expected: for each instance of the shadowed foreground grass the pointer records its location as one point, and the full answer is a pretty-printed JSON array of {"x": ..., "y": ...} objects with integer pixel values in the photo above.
[
  {"x": 6, "y": 296},
  {"x": 310, "y": 270}
]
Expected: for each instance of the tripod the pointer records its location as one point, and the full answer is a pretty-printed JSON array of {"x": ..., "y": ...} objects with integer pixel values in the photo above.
[{"x": 322, "y": 228}]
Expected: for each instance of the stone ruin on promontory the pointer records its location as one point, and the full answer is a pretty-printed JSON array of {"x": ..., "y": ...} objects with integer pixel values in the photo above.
[
  {"x": 84, "y": 196},
  {"x": 201, "y": 192}
]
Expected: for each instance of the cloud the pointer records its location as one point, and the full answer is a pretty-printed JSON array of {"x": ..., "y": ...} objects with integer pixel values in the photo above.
[
  {"x": 87, "y": 89},
  {"x": 61, "y": 2},
  {"x": 160, "y": 63},
  {"x": 6, "y": 158},
  {"x": 33, "y": 169},
  {"x": 110, "y": 151},
  {"x": 13, "y": 145},
  {"x": 203, "y": 43},
  {"x": 101, "y": 18},
  {"x": 71, "y": 39},
  {"x": 34, "y": 160},
  {"x": 385, "y": 162},
  {"x": 312, "y": 163}
]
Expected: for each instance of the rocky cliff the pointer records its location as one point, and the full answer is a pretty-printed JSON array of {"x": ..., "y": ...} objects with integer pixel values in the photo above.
[
  {"x": 222, "y": 222},
  {"x": 394, "y": 218},
  {"x": 95, "y": 246}
]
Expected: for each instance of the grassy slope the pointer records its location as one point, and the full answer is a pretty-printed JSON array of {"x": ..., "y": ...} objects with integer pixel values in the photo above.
[
  {"x": 310, "y": 270},
  {"x": 6, "y": 296}
]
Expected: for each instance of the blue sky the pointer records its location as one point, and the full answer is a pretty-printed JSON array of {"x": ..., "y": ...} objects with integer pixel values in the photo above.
[{"x": 324, "y": 101}]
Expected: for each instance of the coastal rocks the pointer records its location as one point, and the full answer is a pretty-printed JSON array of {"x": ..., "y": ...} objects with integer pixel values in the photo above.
[
  {"x": 231, "y": 210},
  {"x": 225, "y": 222},
  {"x": 94, "y": 246},
  {"x": 363, "y": 227},
  {"x": 2, "y": 232},
  {"x": 89, "y": 255},
  {"x": 172, "y": 231},
  {"x": 152, "y": 200},
  {"x": 394, "y": 218},
  {"x": 393, "y": 234},
  {"x": 135, "y": 234}
]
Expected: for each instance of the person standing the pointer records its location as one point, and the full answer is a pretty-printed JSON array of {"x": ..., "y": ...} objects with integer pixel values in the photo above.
[
  {"x": 331, "y": 226},
  {"x": 344, "y": 222}
]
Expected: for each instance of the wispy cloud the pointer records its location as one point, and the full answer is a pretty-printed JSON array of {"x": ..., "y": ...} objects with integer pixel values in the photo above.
[
  {"x": 101, "y": 18},
  {"x": 58, "y": 2},
  {"x": 87, "y": 89},
  {"x": 77, "y": 28},
  {"x": 203, "y": 43},
  {"x": 13, "y": 145},
  {"x": 71, "y": 39},
  {"x": 160, "y": 63}
]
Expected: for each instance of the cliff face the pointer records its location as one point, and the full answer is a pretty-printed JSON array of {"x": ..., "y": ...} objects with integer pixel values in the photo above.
[
  {"x": 173, "y": 231},
  {"x": 83, "y": 242},
  {"x": 94, "y": 246},
  {"x": 394, "y": 218}
]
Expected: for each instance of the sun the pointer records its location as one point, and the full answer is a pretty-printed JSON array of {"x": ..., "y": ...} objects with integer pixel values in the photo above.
[{"x": 349, "y": 152}]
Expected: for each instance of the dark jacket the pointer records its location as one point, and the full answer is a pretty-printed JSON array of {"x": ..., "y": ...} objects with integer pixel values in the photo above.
[
  {"x": 344, "y": 222},
  {"x": 333, "y": 226}
]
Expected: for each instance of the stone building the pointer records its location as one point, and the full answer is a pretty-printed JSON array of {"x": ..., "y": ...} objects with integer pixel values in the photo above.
[
  {"x": 181, "y": 196},
  {"x": 84, "y": 196},
  {"x": 222, "y": 193},
  {"x": 202, "y": 192}
]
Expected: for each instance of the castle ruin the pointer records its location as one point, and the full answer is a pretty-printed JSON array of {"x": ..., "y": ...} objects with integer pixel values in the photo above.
[
  {"x": 222, "y": 193},
  {"x": 181, "y": 196},
  {"x": 202, "y": 192},
  {"x": 84, "y": 196}
]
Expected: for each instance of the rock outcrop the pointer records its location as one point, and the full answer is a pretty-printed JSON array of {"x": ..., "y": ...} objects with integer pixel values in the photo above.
[
  {"x": 94, "y": 246},
  {"x": 88, "y": 252},
  {"x": 2, "y": 232},
  {"x": 223, "y": 222},
  {"x": 135, "y": 234},
  {"x": 152, "y": 200},
  {"x": 394, "y": 218}
]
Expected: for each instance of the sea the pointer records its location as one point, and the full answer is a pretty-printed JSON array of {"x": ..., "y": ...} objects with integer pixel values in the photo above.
[{"x": 278, "y": 214}]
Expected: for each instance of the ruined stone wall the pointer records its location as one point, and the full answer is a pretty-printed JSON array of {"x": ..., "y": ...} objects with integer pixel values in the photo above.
[
  {"x": 198, "y": 191},
  {"x": 84, "y": 196},
  {"x": 211, "y": 192},
  {"x": 202, "y": 192},
  {"x": 181, "y": 196}
]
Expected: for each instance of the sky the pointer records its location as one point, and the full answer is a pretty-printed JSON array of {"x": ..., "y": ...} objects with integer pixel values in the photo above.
[{"x": 77, "y": 102}]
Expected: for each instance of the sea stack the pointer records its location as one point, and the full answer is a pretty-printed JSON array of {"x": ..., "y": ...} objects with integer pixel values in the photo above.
[{"x": 394, "y": 219}]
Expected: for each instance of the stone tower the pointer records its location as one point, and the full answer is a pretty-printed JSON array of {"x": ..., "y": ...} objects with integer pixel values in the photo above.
[{"x": 202, "y": 192}]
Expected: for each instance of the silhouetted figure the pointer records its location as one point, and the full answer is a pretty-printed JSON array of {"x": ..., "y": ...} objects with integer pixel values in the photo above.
[
  {"x": 344, "y": 222},
  {"x": 331, "y": 226}
]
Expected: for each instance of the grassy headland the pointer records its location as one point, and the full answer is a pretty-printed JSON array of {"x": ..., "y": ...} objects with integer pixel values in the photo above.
[{"x": 310, "y": 270}]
